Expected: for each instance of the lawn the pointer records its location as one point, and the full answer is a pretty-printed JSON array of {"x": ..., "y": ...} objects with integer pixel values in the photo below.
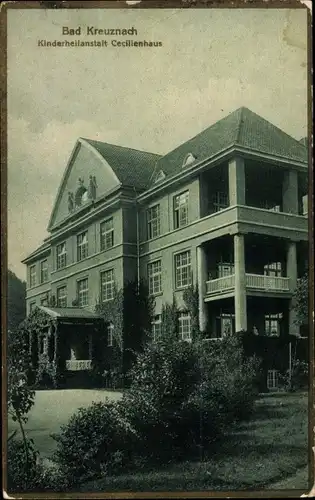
[
  {"x": 53, "y": 409},
  {"x": 269, "y": 451},
  {"x": 265, "y": 452}
]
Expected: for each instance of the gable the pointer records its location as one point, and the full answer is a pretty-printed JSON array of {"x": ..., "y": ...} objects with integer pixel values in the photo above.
[{"x": 87, "y": 177}]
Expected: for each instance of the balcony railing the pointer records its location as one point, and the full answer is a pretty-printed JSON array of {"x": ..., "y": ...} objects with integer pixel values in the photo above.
[
  {"x": 75, "y": 365},
  {"x": 253, "y": 281},
  {"x": 220, "y": 284},
  {"x": 261, "y": 282}
]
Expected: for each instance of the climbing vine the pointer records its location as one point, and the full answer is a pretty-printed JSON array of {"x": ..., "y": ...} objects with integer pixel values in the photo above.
[{"x": 191, "y": 299}]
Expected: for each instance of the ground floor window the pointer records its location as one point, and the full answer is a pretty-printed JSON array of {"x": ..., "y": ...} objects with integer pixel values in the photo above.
[
  {"x": 225, "y": 325},
  {"x": 272, "y": 379},
  {"x": 156, "y": 327},
  {"x": 272, "y": 324},
  {"x": 184, "y": 326},
  {"x": 110, "y": 335},
  {"x": 43, "y": 345}
]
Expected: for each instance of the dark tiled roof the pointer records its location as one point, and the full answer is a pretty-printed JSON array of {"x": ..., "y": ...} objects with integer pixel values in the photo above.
[
  {"x": 69, "y": 312},
  {"x": 133, "y": 168},
  {"x": 240, "y": 128}
]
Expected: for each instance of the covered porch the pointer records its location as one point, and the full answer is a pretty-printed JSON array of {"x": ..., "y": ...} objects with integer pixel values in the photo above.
[{"x": 65, "y": 345}]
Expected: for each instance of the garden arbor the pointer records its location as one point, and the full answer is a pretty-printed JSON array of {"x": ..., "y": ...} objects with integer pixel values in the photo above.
[{"x": 65, "y": 344}]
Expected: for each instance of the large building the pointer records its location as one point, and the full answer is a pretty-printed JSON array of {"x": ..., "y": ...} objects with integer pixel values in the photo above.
[{"x": 226, "y": 209}]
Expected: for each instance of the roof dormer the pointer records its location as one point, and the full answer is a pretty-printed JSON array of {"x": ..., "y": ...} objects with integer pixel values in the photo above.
[
  {"x": 188, "y": 160},
  {"x": 160, "y": 176}
]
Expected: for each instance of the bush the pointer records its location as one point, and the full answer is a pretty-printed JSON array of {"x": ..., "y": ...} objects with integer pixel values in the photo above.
[
  {"x": 96, "y": 440},
  {"x": 162, "y": 378},
  {"x": 296, "y": 379},
  {"x": 184, "y": 396},
  {"x": 23, "y": 474}
]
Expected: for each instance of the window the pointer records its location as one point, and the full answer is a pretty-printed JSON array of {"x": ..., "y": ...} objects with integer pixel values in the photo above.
[
  {"x": 32, "y": 276},
  {"x": 273, "y": 269},
  {"x": 225, "y": 269},
  {"x": 305, "y": 204},
  {"x": 184, "y": 326},
  {"x": 44, "y": 271},
  {"x": 157, "y": 327},
  {"x": 181, "y": 210},
  {"x": 272, "y": 324},
  {"x": 107, "y": 285},
  {"x": 220, "y": 201},
  {"x": 107, "y": 234},
  {"x": 155, "y": 277},
  {"x": 61, "y": 252},
  {"x": 153, "y": 221},
  {"x": 83, "y": 292},
  {"x": 82, "y": 246},
  {"x": 110, "y": 335},
  {"x": 272, "y": 379},
  {"x": 43, "y": 345},
  {"x": 182, "y": 269},
  {"x": 227, "y": 324},
  {"x": 44, "y": 300},
  {"x": 62, "y": 296},
  {"x": 32, "y": 306}
]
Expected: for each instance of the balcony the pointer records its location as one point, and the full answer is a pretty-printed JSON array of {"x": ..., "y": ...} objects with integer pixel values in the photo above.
[
  {"x": 256, "y": 282},
  {"x": 75, "y": 365},
  {"x": 267, "y": 283},
  {"x": 220, "y": 285}
]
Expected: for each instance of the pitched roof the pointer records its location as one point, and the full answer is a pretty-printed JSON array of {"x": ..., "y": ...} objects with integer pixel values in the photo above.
[
  {"x": 69, "y": 312},
  {"x": 242, "y": 128},
  {"x": 41, "y": 249},
  {"x": 133, "y": 168}
]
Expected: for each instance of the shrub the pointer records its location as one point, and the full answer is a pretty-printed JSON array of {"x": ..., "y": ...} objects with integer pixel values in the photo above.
[
  {"x": 297, "y": 378},
  {"x": 162, "y": 379},
  {"x": 23, "y": 475},
  {"x": 184, "y": 396},
  {"x": 96, "y": 440}
]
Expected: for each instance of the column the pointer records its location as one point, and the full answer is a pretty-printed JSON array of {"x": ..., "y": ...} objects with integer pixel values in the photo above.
[
  {"x": 237, "y": 181},
  {"x": 293, "y": 275},
  {"x": 290, "y": 199},
  {"x": 240, "y": 283},
  {"x": 201, "y": 279}
]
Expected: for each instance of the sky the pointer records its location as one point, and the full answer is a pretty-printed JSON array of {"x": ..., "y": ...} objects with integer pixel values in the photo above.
[{"x": 211, "y": 62}]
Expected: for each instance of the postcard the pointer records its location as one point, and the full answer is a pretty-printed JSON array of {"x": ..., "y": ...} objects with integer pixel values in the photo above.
[{"x": 159, "y": 294}]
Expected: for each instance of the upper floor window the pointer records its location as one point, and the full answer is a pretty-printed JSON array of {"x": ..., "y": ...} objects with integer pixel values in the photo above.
[
  {"x": 32, "y": 306},
  {"x": 183, "y": 269},
  {"x": 107, "y": 285},
  {"x": 181, "y": 210},
  {"x": 110, "y": 335},
  {"x": 157, "y": 327},
  {"x": 272, "y": 324},
  {"x": 305, "y": 204},
  {"x": 107, "y": 234},
  {"x": 153, "y": 221},
  {"x": 62, "y": 296},
  {"x": 82, "y": 246},
  {"x": 220, "y": 201},
  {"x": 61, "y": 254},
  {"x": 83, "y": 292},
  {"x": 44, "y": 271},
  {"x": 225, "y": 269},
  {"x": 44, "y": 300},
  {"x": 273, "y": 269},
  {"x": 32, "y": 276},
  {"x": 155, "y": 277},
  {"x": 184, "y": 326}
]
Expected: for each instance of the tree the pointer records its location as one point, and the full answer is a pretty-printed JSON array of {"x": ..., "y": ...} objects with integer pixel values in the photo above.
[
  {"x": 301, "y": 300},
  {"x": 16, "y": 301}
]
